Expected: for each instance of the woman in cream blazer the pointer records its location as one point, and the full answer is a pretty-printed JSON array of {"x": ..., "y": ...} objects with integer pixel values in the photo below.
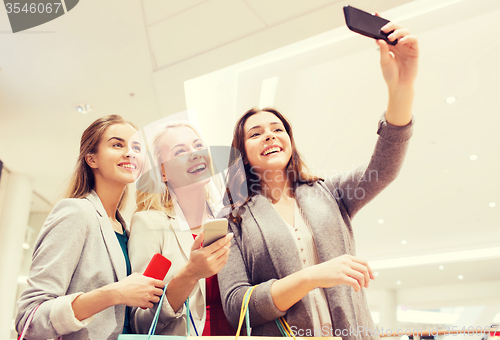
[
  {"x": 167, "y": 221},
  {"x": 154, "y": 232}
]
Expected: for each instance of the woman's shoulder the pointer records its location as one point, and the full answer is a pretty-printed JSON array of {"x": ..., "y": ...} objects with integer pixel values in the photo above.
[
  {"x": 70, "y": 216},
  {"x": 152, "y": 219},
  {"x": 75, "y": 208}
]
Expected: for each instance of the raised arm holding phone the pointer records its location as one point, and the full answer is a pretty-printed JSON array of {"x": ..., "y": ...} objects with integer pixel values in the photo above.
[{"x": 306, "y": 268}]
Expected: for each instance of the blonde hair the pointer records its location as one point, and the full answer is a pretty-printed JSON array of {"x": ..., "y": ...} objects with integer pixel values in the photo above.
[
  {"x": 155, "y": 194},
  {"x": 82, "y": 181}
]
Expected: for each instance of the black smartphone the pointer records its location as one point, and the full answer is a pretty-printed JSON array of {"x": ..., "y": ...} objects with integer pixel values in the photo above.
[{"x": 366, "y": 24}]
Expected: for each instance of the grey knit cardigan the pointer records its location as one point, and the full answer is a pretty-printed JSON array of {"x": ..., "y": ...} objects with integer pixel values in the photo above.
[{"x": 263, "y": 250}]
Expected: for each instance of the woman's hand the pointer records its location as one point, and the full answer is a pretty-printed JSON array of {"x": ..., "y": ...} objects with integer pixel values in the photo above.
[
  {"x": 137, "y": 290},
  {"x": 345, "y": 269},
  {"x": 400, "y": 62},
  {"x": 207, "y": 261}
]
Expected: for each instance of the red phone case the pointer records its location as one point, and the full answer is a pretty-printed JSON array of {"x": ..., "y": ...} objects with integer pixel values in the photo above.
[{"x": 158, "y": 267}]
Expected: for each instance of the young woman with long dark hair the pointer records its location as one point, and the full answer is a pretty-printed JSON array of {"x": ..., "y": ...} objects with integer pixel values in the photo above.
[{"x": 293, "y": 234}]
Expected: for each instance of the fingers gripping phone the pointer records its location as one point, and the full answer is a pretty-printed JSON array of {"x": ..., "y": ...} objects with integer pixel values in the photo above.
[
  {"x": 366, "y": 24},
  {"x": 214, "y": 230}
]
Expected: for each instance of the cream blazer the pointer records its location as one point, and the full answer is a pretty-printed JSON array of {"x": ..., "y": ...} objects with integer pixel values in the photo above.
[{"x": 152, "y": 232}]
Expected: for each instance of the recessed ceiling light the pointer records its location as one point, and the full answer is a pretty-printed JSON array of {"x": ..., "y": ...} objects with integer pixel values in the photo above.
[
  {"x": 451, "y": 100},
  {"x": 473, "y": 157},
  {"x": 398, "y": 282},
  {"x": 83, "y": 108},
  {"x": 381, "y": 221},
  {"x": 26, "y": 246},
  {"x": 492, "y": 204},
  {"x": 404, "y": 242},
  {"x": 375, "y": 274},
  {"x": 460, "y": 277},
  {"x": 441, "y": 267}
]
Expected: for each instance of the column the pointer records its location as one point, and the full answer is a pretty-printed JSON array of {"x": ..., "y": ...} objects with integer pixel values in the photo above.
[
  {"x": 13, "y": 223},
  {"x": 388, "y": 310}
]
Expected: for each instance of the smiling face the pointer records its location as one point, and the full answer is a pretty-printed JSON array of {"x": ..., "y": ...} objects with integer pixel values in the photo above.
[
  {"x": 267, "y": 144},
  {"x": 118, "y": 158},
  {"x": 184, "y": 158}
]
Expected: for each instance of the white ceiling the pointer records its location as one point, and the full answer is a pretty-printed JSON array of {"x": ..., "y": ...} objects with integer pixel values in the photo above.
[{"x": 329, "y": 86}]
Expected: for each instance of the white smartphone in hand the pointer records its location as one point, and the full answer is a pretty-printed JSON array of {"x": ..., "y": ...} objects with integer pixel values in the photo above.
[{"x": 214, "y": 230}]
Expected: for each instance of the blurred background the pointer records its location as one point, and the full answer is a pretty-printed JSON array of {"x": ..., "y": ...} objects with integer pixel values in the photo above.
[{"x": 432, "y": 236}]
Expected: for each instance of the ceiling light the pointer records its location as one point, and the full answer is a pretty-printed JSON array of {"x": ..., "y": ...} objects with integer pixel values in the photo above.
[
  {"x": 492, "y": 204},
  {"x": 441, "y": 267},
  {"x": 437, "y": 259},
  {"x": 473, "y": 157},
  {"x": 375, "y": 274},
  {"x": 404, "y": 242},
  {"x": 26, "y": 246},
  {"x": 460, "y": 277},
  {"x": 451, "y": 100},
  {"x": 83, "y": 108},
  {"x": 380, "y": 221},
  {"x": 398, "y": 282}
]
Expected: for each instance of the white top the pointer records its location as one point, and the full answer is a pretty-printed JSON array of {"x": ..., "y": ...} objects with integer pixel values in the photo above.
[{"x": 304, "y": 242}]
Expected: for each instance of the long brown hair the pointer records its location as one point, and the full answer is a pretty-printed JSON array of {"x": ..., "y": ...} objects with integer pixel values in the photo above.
[
  {"x": 244, "y": 183},
  {"x": 82, "y": 181}
]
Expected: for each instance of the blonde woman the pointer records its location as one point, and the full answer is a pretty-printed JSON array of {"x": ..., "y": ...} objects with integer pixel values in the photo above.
[
  {"x": 78, "y": 286},
  {"x": 169, "y": 222}
]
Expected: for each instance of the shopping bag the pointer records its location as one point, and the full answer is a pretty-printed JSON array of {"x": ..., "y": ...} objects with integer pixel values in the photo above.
[{"x": 151, "y": 334}]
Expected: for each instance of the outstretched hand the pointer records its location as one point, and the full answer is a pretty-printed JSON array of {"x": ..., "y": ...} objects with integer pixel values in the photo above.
[
  {"x": 399, "y": 63},
  {"x": 345, "y": 269}
]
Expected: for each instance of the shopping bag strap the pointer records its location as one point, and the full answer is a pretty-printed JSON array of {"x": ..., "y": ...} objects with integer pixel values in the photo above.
[
  {"x": 284, "y": 327},
  {"x": 28, "y": 322},
  {"x": 152, "y": 329},
  {"x": 244, "y": 314}
]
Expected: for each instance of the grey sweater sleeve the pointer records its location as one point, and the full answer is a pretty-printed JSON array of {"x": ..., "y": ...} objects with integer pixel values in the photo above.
[
  {"x": 360, "y": 186},
  {"x": 55, "y": 257},
  {"x": 234, "y": 281}
]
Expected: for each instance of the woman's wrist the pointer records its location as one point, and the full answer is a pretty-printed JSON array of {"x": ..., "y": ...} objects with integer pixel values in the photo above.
[
  {"x": 111, "y": 293},
  {"x": 187, "y": 275}
]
